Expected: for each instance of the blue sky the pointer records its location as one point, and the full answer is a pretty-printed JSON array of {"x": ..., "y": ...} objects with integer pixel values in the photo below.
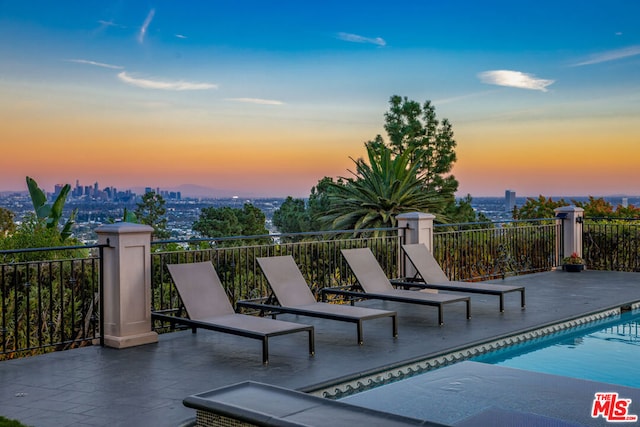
[{"x": 269, "y": 97}]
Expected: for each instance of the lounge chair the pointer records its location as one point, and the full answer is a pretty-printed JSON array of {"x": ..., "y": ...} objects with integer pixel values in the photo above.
[
  {"x": 294, "y": 296},
  {"x": 208, "y": 307},
  {"x": 376, "y": 285},
  {"x": 432, "y": 277}
]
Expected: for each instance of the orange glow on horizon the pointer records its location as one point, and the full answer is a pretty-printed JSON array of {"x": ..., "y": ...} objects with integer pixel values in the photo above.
[{"x": 286, "y": 156}]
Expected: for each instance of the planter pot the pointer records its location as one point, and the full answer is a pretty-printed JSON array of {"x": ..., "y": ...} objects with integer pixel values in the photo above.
[{"x": 574, "y": 268}]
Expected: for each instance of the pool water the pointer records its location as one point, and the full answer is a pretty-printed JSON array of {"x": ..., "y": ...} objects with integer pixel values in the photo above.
[{"x": 608, "y": 352}]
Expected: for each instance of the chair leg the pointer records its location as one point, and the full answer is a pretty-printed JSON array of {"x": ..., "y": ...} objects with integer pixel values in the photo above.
[
  {"x": 501, "y": 303},
  {"x": 360, "y": 341},
  {"x": 394, "y": 320},
  {"x": 468, "y": 309},
  {"x": 440, "y": 315},
  {"x": 312, "y": 344},
  {"x": 265, "y": 350},
  {"x": 522, "y": 304}
]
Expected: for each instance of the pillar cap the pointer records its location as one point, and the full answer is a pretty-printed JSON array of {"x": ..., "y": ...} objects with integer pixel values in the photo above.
[
  {"x": 571, "y": 208},
  {"x": 416, "y": 215},
  {"x": 123, "y": 228}
]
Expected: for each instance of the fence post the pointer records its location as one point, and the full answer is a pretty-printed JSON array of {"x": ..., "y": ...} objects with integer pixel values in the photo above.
[
  {"x": 127, "y": 284},
  {"x": 417, "y": 228},
  {"x": 571, "y": 218}
]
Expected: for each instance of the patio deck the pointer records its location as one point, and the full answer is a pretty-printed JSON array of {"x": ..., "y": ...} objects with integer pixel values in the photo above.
[{"x": 146, "y": 385}]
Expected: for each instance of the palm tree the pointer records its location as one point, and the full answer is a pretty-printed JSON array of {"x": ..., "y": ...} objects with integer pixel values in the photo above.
[{"x": 379, "y": 192}]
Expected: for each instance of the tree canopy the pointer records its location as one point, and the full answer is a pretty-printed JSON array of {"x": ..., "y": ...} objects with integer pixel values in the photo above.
[
  {"x": 7, "y": 224},
  {"x": 33, "y": 232},
  {"x": 596, "y": 207},
  {"x": 292, "y": 216},
  {"x": 542, "y": 207},
  {"x": 298, "y": 215},
  {"x": 151, "y": 211},
  {"x": 411, "y": 171},
  {"x": 227, "y": 221},
  {"x": 412, "y": 127}
]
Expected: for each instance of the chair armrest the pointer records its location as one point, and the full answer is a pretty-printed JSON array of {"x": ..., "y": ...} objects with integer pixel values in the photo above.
[
  {"x": 407, "y": 283},
  {"x": 349, "y": 293},
  {"x": 264, "y": 309}
]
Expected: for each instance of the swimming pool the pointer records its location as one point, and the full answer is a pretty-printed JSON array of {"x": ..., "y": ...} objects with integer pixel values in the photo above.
[
  {"x": 499, "y": 347},
  {"x": 606, "y": 352},
  {"x": 588, "y": 356}
]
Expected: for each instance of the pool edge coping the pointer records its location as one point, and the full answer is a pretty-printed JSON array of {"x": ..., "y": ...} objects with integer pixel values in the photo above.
[{"x": 343, "y": 387}]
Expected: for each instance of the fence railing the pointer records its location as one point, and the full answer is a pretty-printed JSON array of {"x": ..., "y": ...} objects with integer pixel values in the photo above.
[
  {"x": 49, "y": 299},
  {"x": 317, "y": 254},
  {"x": 611, "y": 244},
  {"x": 482, "y": 251}
]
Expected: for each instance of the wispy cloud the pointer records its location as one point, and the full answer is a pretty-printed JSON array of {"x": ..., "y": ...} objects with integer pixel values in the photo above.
[
  {"x": 145, "y": 25},
  {"x": 97, "y": 64},
  {"x": 180, "y": 36},
  {"x": 164, "y": 85},
  {"x": 104, "y": 25},
  {"x": 610, "y": 55},
  {"x": 256, "y": 101},
  {"x": 355, "y": 38},
  {"x": 516, "y": 79},
  {"x": 109, "y": 24}
]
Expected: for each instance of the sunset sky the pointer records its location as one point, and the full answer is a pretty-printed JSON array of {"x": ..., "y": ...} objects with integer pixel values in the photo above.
[{"x": 265, "y": 98}]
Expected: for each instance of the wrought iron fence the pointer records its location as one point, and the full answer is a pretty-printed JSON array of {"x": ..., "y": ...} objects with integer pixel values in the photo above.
[
  {"x": 50, "y": 299},
  {"x": 611, "y": 244},
  {"x": 488, "y": 250},
  {"x": 234, "y": 258}
]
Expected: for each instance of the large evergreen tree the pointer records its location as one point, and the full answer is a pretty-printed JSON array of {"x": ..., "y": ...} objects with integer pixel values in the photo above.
[
  {"x": 409, "y": 172},
  {"x": 319, "y": 202},
  {"x": 252, "y": 220},
  {"x": 296, "y": 215},
  {"x": 151, "y": 211},
  {"x": 414, "y": 128},
  {"x": 292, "y": 216}
]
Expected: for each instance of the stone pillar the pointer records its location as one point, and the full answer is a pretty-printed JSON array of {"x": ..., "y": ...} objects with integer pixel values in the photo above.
[
  {"x": 571, "y": 217},
  {"x": 127, "y": 284},
  {"x": 417, "y": 228}
]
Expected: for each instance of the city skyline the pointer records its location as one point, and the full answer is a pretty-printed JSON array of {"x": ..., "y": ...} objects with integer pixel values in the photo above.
[
  {"x": 262, "y": 99},
  {"x": 109, "y": 192}
]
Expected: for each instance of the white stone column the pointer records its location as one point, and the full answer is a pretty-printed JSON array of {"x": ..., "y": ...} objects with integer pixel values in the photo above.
[
  {"x": 127, "y": 284},
  {"x": 571, "y": 217},
  {"x": 417, "y": 228}
]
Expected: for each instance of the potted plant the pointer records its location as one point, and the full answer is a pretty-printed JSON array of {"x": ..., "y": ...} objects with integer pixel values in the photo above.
[{"x": 573, "y": 263}]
